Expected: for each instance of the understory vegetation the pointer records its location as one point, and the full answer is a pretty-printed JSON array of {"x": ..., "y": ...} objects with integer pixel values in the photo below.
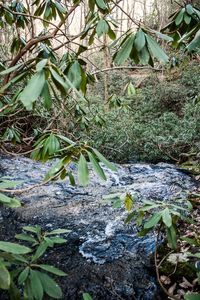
[{"x": 159, "y": 122}]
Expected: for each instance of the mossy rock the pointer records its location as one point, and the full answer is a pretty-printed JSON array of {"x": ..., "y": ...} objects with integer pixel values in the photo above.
[{"x": 183, "y": 269}]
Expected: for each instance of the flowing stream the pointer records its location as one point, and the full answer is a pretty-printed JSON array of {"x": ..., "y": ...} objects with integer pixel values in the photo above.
[{"x": 103, "y": 256}]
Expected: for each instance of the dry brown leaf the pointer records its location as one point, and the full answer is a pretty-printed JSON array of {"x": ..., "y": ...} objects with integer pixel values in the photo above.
[
  {"x": 185, "y": 284},
  {"x": 172, "y": 289},
  {"x": 195, "y": 281},
  {"x": 185, "y": 248},
  {"x": 180, "y": 292},
  {"x": 165, "y": 280}
]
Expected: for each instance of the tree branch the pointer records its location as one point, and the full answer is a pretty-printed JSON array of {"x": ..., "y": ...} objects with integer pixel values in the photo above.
[
  {"x": 125, "y": 67},
  {"x": 35, "y": 41}
]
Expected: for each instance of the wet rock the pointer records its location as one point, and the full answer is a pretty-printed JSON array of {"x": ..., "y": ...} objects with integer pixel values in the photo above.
[{"x": 103, "y": 256}]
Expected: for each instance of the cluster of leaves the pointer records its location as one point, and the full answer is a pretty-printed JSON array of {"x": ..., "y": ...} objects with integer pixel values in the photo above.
[
  {"x": 47, "y": 77},
  {"x": 7, "y": 201},
  {"x": 12, "y": 12},
  {"x": 98, "y": 25},
  {"x": 51, "y": 145},
  {"x": 12, "y": 134},
  {"x": 161, "y": 213},
  {"x": 20, "y": 271},
  {"x": 50, "y": 9},
  {"x": 141, "y": 48},
  {"x": 184, "y": 27},
  {"x": 102, "y": 5},
  {"x": 154, "y": 215},
  {"x": 7, "y": 16}
]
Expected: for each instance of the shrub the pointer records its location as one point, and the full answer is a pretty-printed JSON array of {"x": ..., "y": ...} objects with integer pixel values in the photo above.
[{"x": 161, "y": 123}]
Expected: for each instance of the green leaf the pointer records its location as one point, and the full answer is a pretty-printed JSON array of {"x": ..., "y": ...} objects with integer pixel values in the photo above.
[
  {"x": 58, "y": 231},
  {"x": 125, "y": 51},
  {"x": 197, "y": 12},
  {"x": 139, "y": 41},
  {"x": 74, "y": 74},
  {"x": 166, "y": 217},
  {"x": 60, "y": 7},
  {"x": 5, "y": 279},
  {"x": 47, "y": 96},
  {"x": 140, "y": 218},
  {"x": 155, "y": 50},
  {"x": 187, "y": 19},
  {"x": 102, "y": 27},
  {"x": 147, "y": 207},
  {"x": 9, "y": 17},
  {"x": 111, "y": 34},
  {"x": 40, "y": 66},
  {"x": 197, "y": 255},
  {"x": 96, "y": 166},
  {"x": 12, "y": 81},
  {"x": 52, "y": 269},
  {"x": 72, "y": 86},
  {"x": 128, "y": 202},
  {"x": 58, "y": 240},
  {"x": 144, "y": 56},
  {"x": 49, "y": 241},
  {"x": 50, "y": 286},
  {"x": 86, "y": 296},
  {"x": 4, "y": 198},
  {"x": 25, "y": 237},
  {"x": 14, "y": 248},
  {"x": 190, "y": 241},
  {"x": 130, "y": 217},
  {"x": 71, "y": 178},
  {"x": 101, "y": 4},
  {"x": 54, "y": 170},
  {"x": 195, "y": 43},
  {"x": 113, "y": 196},
  {"x": 36, "y": 285},
  {"x": 153, "y": 221},
  {"x": 32, "y": 229},
  {"x": 179, "y": 17},
  {"x": 20, "y": 258},
  {"x": 14, "y": 203},
  {"x": 171, "y": 236},
  {"x": 27, "y": 291},
  {"x": 91, "y": 4},
  {"x": 81, "y": 49},
  {"x": 7, "y": 184},
  {"x": 131, "y": 89},
  {"x": 192, "y": 296},
  {"x": 67, "y": 140},
  {"x": 117, "y": 203},
  {"x": 59, "y": 79},
  {"x": 33, "y": 90},
  {"x": 12, "y": 69},
  {"x": 83, "y": 173},
  {"x": 53, "y": 144},
  {"x": 40, "y": 251},
  {"x": 107, "y": 163},
  {"x": 189, "y": 9},
  {"x": 23, "y": 275},
  {"x": 163, "y": 36}
]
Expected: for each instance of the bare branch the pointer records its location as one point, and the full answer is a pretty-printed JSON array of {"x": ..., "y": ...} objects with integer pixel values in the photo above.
[{"x": 126, "y": 67}]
